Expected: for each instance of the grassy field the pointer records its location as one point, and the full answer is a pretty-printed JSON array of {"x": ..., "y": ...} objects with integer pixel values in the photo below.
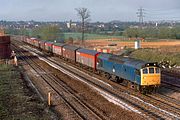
[
  {"x": 16, "y": 101},
  {"x": 77, "y": 36},
  {"x": 156, "y": 55}
]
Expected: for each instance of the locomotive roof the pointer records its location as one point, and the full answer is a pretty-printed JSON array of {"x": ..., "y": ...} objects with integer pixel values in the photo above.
[
  {"x": 87, "y": 51},
  {"x": 138, "y": 64},
  {"x": 71, "y": 47}
]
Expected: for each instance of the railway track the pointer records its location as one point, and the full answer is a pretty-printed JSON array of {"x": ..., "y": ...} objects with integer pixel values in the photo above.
[
  {"x": 167, "y": 100},
  {"x": 146, "y": 108},
  {"x": 79, "y": 109},
  {"x": 163, "y": 102},
  {"x": 171, "y": 78},
  {"x": 173, "y": 73},
  {"x": 166, "y": 80}
]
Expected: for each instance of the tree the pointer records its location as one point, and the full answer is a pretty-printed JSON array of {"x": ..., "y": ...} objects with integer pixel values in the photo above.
[
  {"x": 84, "y": 14},
  {"x": 48, "y": 32},
  {"x": 164, "y": 33},
  {"x": 131, "y": 32}
]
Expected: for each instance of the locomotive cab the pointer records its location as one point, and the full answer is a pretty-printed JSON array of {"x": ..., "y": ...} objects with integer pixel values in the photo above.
[{"x": 150, "y": 75}]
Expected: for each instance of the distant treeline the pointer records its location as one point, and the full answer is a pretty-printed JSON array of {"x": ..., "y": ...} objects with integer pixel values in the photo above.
[
  {"x": 153, "y": 32},
  {"x": 49, "y": 32},
  {"x": 46, "y": 32}
]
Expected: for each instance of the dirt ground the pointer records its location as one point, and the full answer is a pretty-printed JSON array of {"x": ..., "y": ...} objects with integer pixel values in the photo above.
[{"x": 103, "y": 43}]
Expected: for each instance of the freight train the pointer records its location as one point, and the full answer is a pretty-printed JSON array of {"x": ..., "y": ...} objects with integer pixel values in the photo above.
[{"x": 137, "y": 74}]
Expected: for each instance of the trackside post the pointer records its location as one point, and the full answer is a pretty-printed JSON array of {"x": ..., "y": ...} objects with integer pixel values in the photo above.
[{"x": 49, "y": 98}]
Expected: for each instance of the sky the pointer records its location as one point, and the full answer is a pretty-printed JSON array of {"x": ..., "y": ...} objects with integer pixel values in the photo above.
[{"x": 100, "y": 10}]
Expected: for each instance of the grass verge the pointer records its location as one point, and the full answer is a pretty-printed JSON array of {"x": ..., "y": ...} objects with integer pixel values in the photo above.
[{"x": 16, "y": 100}]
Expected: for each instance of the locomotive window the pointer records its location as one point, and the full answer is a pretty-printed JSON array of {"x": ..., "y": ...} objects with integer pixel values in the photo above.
[
  {"x": 157, "y": 70},
  {"x": 145, "y": 71},
  {"x": 137, "y": 72},
  {"x": 100, "y": 63},
  {"x": 151, "y": 70}
]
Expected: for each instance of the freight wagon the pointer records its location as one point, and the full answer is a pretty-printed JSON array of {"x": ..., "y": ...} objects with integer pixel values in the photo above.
[
  {"x": 69, "y": 52},
  {"x": 87, "y": 57},
  {"x": 58, "y": 49},
  {"x": 29, "y": 41},
  {"x": 48, "y": 46},
  {"x": 42, "y": 44},
  {"x": 36, "y": 42}
]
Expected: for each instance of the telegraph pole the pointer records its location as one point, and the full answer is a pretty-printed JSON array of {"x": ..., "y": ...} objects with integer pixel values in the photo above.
[{"x": 141, "y": 16}]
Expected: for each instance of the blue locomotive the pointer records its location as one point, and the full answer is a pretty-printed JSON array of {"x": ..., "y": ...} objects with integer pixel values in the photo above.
[{"x": 140, "y": 75}]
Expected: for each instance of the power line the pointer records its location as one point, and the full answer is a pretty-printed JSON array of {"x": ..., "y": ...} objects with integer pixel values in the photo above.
[
  {"x": 157, "y": 14},
  {"x": 162, "y": 10},
  {"x": 140, "y": 14}
]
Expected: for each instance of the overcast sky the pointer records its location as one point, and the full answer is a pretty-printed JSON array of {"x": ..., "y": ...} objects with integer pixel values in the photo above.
[{"x": 100, "y": 10}]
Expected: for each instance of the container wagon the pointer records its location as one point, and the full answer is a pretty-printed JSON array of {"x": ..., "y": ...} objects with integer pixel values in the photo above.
[
  {"x": 69, "y": 52},
  {"x": 42, "y": 44},
  {"x": 36, "y": 42},
  {"x": 58, "y": 49},
  {"x": 48, "y": 47},
  {"x": 87, "y": 57}
]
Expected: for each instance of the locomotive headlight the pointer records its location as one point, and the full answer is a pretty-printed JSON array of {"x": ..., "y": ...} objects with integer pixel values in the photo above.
[
  {"x": 144, "y": 77},
  {"x": 154, "y": 64}
]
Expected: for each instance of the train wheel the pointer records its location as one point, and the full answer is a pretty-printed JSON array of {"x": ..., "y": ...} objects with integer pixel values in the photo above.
[
  {"x": 143, "y": 91},
  {"x": 98, "y": 72},
  {"x": 117, "y": 79},
  {"x": 136, "y": 88},
  {"x": 151, "y": 89},
  {"x": 107, "y": 75},
  {"x": 131, "y": 85},
  {"x": 120, "y": 80}
]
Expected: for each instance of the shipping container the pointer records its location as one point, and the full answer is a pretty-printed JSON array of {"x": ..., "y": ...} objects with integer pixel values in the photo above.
[
  {"x": 87, "y": 57},
  {"x": 69, "y": 52},
  {"x": 29, "y": 41},
  {"x": 5, "y": 50},
  {"x": 48, "y": 46},
  {"x": 35, "y": 42},
  {"x": 58, "y": 48},
  {"x": 42, "y": 44}
]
